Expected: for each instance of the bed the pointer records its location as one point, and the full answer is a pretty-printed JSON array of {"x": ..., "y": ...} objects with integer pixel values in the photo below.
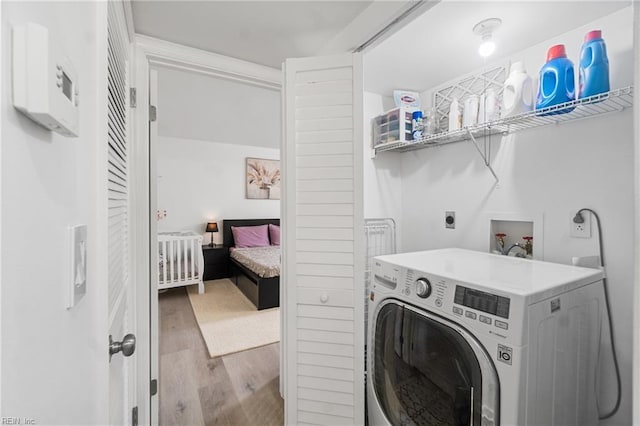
[
  {"x": 180, "y": 260},
  {"x": 260, "y": 284}
]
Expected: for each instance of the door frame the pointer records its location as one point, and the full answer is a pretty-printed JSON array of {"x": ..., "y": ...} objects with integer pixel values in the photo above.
[
  {"x": 635, "y": 362},
  {"x": 157, "y": 52},
  {"x": 1, "y": 198},
  {"x": 151, "y": 53}
]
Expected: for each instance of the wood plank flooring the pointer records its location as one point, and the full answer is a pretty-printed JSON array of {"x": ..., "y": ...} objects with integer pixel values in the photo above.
[{"x": 236, "y": 389}]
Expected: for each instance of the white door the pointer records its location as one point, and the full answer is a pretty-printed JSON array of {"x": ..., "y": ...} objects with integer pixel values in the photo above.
[
  {"x": 120, "y": 289},
  {"x": 323, "y": 253}
]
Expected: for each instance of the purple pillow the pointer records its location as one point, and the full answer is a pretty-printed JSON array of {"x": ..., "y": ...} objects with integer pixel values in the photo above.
[
  {"x": 274, "y": 234},
  {"x": 250, "y": 236}
]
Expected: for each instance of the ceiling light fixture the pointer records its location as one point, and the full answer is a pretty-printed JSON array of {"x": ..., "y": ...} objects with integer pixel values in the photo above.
[{"x": 485, "y": 29}]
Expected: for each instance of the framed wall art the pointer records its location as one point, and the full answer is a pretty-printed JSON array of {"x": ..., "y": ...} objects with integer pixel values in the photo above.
[{"x": 263, "y": 179}]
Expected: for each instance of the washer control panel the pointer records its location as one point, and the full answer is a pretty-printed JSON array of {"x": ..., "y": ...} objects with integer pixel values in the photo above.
[
  {"x": 482, "y": 306},
  {"x": 477, "y": 307},
  {"x": 482, "y": 301},
  {"x": 496, "y": 313}
]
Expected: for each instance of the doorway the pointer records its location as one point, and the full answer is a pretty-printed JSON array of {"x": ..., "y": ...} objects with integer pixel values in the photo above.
[{"x": 197, "y": 169}]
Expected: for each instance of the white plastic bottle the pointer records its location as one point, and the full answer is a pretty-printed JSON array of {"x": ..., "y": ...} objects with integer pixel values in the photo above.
[
  {"x": 455, "y": 118},
  {"x": 517, "y": 96},
  {"x": 489, "y": 109},
  {"x": 470, "y": 114}
]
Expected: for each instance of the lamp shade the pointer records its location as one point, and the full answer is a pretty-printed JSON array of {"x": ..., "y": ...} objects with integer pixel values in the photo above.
[{"x": 212, "y": 227}]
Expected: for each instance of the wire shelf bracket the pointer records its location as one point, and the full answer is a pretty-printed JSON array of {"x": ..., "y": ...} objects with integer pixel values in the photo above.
[{"x": 484, "y": 155}]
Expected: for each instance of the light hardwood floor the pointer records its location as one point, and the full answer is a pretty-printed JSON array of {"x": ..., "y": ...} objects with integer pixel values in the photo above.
[{"x": 236, "y": 389}]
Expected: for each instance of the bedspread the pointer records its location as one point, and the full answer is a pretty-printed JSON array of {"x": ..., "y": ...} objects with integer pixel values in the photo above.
[{"x": 264, "y": 261}]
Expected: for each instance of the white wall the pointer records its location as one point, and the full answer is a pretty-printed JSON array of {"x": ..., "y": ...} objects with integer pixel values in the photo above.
[
  {"x": 201, "y": 180},
  {"x": 382, "y": 176},
  {"x": 549, "y": 172},
  {"x": 50, "y": 354},
  {"x": 199, "y": 106}
]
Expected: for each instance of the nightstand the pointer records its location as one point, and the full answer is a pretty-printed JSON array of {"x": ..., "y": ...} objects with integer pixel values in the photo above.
[{"x": 216, "y": 262}]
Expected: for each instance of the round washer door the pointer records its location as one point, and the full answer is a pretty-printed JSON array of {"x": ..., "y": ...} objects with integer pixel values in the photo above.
[{"x": 428, "y": 370}]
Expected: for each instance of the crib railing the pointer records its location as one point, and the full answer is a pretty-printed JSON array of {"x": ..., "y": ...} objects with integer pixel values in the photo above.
[{"x": 181, "y": 261}]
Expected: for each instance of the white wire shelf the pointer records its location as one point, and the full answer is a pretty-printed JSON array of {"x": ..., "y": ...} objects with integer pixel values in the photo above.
[{"x": 603, "y": 103}]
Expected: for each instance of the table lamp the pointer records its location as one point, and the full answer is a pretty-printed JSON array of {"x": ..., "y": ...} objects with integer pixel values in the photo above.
[{"x": 212, "y": 227}]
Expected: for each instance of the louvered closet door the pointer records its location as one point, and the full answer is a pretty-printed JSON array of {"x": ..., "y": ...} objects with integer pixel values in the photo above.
[
  {"x": 121, "y": 369},
  {"x": 323, "y": 241}
]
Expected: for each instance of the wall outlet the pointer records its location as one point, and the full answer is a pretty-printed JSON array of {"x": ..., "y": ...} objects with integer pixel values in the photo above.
[
  {"x": 580, "y": 230},
  {"x": 450, "y": 220}
]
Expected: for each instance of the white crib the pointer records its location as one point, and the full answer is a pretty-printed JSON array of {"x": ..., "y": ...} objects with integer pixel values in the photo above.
[{"x": 181, "y": 261}]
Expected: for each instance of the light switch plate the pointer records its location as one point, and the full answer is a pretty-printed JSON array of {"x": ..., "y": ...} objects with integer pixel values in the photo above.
[{"x": 77, "y": 279}]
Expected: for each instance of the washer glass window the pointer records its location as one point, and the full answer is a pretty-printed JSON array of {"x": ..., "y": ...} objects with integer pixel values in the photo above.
[{"x": 425, "y": 372}]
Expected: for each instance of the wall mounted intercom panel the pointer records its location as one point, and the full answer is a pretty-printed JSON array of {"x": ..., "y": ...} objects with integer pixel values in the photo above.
[{"x": 45, "y": 83}]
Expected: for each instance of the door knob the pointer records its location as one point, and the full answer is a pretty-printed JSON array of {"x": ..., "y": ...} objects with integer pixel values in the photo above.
[{"x": 127, "y": 346}]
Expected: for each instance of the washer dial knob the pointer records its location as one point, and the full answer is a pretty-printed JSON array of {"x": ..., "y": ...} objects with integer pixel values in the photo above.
[{"x": 423, "y": 288}]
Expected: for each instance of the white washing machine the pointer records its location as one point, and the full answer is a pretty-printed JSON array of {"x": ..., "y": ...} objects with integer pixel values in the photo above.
[{"x": 460, "y": 337}]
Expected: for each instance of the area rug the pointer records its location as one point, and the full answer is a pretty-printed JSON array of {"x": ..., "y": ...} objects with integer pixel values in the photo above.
[{"x": 229, "y": 322}]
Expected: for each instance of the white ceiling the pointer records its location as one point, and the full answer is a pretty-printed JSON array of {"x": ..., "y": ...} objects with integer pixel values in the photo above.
[
  {"x": 263, "y": 32},
  {"x": 428, "y": 49},
  {"x": 440, "y": 43}
]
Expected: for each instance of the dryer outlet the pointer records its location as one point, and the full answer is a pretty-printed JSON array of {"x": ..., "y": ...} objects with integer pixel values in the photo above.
[{"x": 450, "y": 220}]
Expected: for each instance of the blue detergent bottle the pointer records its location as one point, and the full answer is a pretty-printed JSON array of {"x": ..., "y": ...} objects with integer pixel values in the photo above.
[
  {"x": 557, "y": 81},
  {"x": 594, "y": 66}
]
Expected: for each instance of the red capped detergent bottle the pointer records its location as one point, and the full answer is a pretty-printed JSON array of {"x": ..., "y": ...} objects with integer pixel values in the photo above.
[
  {"x": 557, "y": 80},
  {"x": 594, "y": 66}
]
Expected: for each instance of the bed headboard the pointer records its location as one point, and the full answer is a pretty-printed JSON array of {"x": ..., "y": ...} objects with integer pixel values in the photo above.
[{"x": 227, "y": 235}]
